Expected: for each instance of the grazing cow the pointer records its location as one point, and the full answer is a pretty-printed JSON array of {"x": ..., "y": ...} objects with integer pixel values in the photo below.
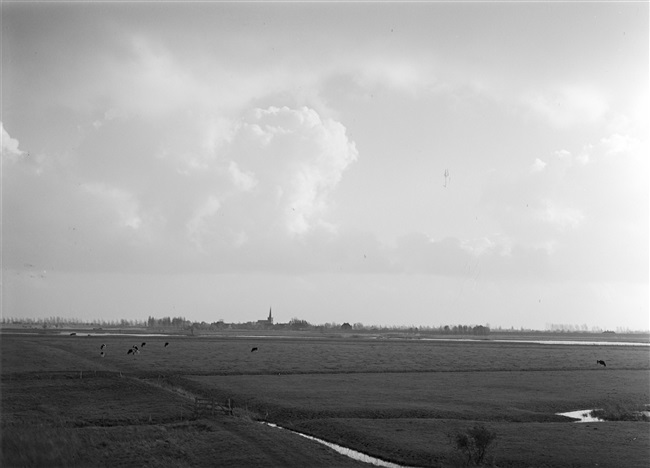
[
  {"x": 602, "y": 363},
  {"x": 142, "y": 345},
  {"x": 102, "y": 354},
  {"x": 129, "y": 351},
  {"x": 102, "y": 346},
  {"x": 166, "y": 344},
  {"x": 73, "y": 334},
  {"x": 136, "y": 349},
  {"x": 253, "y": 350}
]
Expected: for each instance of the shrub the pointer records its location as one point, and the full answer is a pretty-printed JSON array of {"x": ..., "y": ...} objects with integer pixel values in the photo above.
[
  {"x": 474, "y": 443},
  {"x": 622, "y": 412}
]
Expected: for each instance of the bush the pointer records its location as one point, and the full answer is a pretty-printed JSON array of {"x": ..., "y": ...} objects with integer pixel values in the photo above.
[
  {"x": 475, "y": 443},
  {"x": 622, "y": 412}
]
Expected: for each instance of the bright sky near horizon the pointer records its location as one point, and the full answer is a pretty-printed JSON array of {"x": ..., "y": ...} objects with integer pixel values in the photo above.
[{"x": 384, "y": 163}]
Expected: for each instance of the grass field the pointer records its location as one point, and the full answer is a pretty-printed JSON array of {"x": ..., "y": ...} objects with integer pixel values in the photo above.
[{"x": 400, "y": 400}]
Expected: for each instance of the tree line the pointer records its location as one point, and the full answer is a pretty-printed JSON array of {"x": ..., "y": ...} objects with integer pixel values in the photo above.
[{"x": 298, "y": 324}]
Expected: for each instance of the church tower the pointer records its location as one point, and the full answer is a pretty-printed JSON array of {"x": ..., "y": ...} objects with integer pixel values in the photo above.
[{"x": 270, "y": 319}]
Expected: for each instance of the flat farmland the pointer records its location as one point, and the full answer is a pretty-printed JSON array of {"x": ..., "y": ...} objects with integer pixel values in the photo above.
[
  {"x": 232, "y": 356},
  {"x": 400, "y": 400}
]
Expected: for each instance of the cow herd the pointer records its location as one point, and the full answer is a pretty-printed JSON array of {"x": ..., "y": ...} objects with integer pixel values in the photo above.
[{"x": 135, "y": 349}]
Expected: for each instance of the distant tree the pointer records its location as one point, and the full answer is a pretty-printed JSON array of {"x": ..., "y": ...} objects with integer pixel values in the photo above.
[
  {"x": 346, "y": 326},
  {"x": 178, "y": 322},
  {"x": 298, "y": 324},
  {"x": 480, "y": 330}
]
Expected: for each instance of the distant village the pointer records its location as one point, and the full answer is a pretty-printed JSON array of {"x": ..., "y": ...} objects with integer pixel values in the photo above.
[{"x": 183, "y": 325}]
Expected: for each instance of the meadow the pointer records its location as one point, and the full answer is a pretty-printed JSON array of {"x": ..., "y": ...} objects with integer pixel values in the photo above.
[{"x": 397, "y": 399}]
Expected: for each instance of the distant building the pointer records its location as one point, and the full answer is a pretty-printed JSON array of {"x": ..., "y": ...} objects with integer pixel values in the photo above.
[{"x": 268, "y": 322}]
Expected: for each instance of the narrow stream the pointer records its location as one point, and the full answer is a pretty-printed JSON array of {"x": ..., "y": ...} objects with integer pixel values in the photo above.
[{"x": 348, "y": 452}]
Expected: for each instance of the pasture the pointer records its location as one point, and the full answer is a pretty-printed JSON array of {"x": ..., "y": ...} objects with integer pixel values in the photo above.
[{"x": 400, "y": 400}]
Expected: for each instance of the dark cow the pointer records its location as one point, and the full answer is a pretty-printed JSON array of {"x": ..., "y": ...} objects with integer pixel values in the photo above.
[
  {"x": 102, "y": 346},
  {"x": 602, "y": 363},
  {"x": 130, "y": 351},
  {"x": 166, "y": 344},
  {"x": 253, "y": 350}
]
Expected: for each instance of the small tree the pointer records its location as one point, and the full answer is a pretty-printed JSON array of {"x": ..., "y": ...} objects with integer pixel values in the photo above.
[{"x": 474, "y": 443}]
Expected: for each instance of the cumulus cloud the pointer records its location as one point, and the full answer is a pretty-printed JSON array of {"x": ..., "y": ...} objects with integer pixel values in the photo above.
[
  {"x": 298, "y": 159},
  {"x": 260, "y": 184},
  {"x": 10, "y": 150}
]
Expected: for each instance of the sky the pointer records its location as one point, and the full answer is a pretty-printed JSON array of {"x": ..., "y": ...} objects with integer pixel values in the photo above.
[{"x": 397, "y": 163}]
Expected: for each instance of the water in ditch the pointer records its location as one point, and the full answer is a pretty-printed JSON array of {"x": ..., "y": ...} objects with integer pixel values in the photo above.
[{"x": 348, "y": 452}]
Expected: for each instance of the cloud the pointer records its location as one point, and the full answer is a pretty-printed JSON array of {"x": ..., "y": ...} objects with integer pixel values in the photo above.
[
  {"x": 198, "y": 225},
  {"x": 298, "y": 159},
  {"x": 406, "y": 76},
  {"x": 538, "y": 165},
  {"x": 257, "y": 195},
  {"x": 567, "y": 106},
  {"x": 151, "y": 82},
  {"x": 585, "y": 209},
  {"x": 560, "y": 216},
  {"x": 487, "y": 258},
  {"x": 245, "y": 181},
  {"x": 10, "y": 150},
  {"x": 122, "y": 202},
  {"x": 478, "y": 246},
  {"x": 617, "y": 143},
  {"x": 417, "y": 253}
]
